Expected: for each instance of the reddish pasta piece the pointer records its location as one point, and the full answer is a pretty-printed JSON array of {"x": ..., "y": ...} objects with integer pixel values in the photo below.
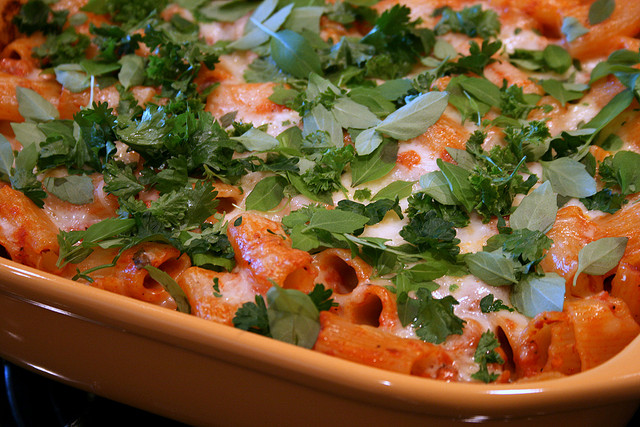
[
  {"x": 340, "y": 271},
  {"x": 262, "y": 246},
  {"x": 128, "y": 277},
  {"x": 626, "y": 286},
  {"x": 603, "y": 327},
  {"x": 26, "y": 232},
  {"x": 446, "y": 132},
  {"x": 371, "y": 346},
  {"x": 208, "y": 293}
]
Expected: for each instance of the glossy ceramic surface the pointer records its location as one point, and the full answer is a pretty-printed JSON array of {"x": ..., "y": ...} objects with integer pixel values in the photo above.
[{"x": 202, "y": 373}]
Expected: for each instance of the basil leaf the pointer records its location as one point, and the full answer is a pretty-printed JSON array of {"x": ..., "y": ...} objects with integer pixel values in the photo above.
[
  {"x": 493, "y": 268},
  {"x": 482, "y": 89},
  {"x": 572, "y": 28},
  {"x": 75, "y": 189},
  {"x": 559, "y": 91},
  {"x": 367, "y": 141},
  {"x": 350, "y": 114},
  {"x": 373, "y": 100},
  {"x": 557, "y": 58},
  {"x": 444, "y": 50},
  {"x": 458, "y": 179},
  {"x": 33, "y": 107},
  {"x": 336, "y": 221},
  {"x": 617, "y": 105},
  {"x": 463, "y": 158},
  {"x": 171, "y": 286},
  {"x": 600, "y": 256},
  {"x": 569, "y": 178},
  {"x": 293, "y": 317},
  {"x": 600, "y": 10},
  {"x": 318, "y": 85},
  {"x": 28, "y": 133},
  {"x": 226, "y": 11},
  {"x": 537, "y": 211},
  {"x": 6, "y": 156},
  {"x": 72, "y": 77},
  {"x": 132, "y": 72},
  {"x": 267, "y": 194},
  {"x": 416, "y": 117},
  {"x": 534, "y": 295},
  {"x": 321, "y": 120},
  {"x": 305, "y": 18},
  {"x": 256, "y": 36},
  {"x": 399, "y": 189},
  {"x": 392, "y": 90},
  {"x": 262, "y": 12},
  {"x": 436, "y": 185},
  {"x": 94, "y": 68},
  {"x": 256, "y": 140},
  {"x": 108, "y": 227},
  {"x": 375, "y": 165},
  {"x": 294, "y": 55}
]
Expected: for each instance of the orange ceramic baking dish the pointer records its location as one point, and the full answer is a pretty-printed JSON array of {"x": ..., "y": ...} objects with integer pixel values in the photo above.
[{"x": 203, "y": 373}]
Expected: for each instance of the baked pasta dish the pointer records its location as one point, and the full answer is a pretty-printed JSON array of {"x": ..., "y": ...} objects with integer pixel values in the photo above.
[{"x": 442, "y": 188}]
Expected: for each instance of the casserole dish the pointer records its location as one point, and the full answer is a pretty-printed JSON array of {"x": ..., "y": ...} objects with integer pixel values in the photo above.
[{"x": 203, "y": 373}]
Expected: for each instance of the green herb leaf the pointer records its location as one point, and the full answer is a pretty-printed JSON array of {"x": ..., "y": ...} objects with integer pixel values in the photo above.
[
  {"x": 435, "y": 320},
  {"x": 493, "y": 268},
  {"x": 397, "y": 189},
  {"x": 132, "y": 71},
  {"x": 485, "y": 353},
  {"x": 537, "y": 211},
  {"x": 557, "y": 58},
  {"x": 336, "y": 221},
  {"x": 267, "y": 194},
  {"x": 253, "y": 317},
  {"x": 350, "y": 114},
  {"x": 72, "y": 77},
  {"x": 75, "y": 189},
  {"x": 489, "y": 305},
  {"x": 171, "y": 286},
  {"x": 436, "y": 185},
  {"x": 561, "y": 91},
  {"x": 294, "y": 54},
  {"x": 293, "y": 317},
  {"x": 28, "y": 133},
  {"x": 535, "y": 294},
  {"x": 256, "y": 36},
  {"x": 375, "y": 165},
  {"x": 600, "y": 10},
  {"x": 569, "y": 177},
  {"x": 6, "y": 157},
  {"x": 459, "y": 184},
  {"x": 622, "y": 170},
  {"x": 32, "y": 106},
  {"x": 572, "y": 28},
  {"x": 600, "y": 256},
  {"x": 320, "y": 119},
  {"x": 416, "y": 117},
  {"x": 256, "y": 140},
  {"x": 367, "y": 141}
]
